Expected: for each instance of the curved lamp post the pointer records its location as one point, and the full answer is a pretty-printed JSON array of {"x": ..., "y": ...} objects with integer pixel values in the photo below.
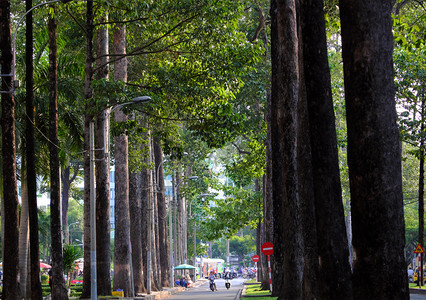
[
  {"x": 93, "y": 282},
  {"x": 69, "y": 235}
]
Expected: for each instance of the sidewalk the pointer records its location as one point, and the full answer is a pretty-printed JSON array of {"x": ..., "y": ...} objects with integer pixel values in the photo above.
[{"x": 166, "y": 292}]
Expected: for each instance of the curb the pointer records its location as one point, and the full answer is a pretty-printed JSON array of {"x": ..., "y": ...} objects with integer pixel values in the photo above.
[
  {"x": 417, "y": 291},
  {"x": 238, "y": 296}
]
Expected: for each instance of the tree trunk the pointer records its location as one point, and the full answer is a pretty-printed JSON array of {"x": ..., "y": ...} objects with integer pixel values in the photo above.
[
  {"x": 102, "y": 175},
  {"x": 122, "y": 224},
  {"x": 155, "y": 236},
  {"x": 175, "y": 216},
  {"x": 421, "y": 206},
  {"x": 310, "y": 289},
  {"x": 146, "y": 232},
  {"x": 36, "y": 292},
  {"x": 66, "y": 185},
  {"x": 284, "y": 100},
  {"x": 267, "y": 198},
  {"x": 335, "y": 273},
  {"x": 58, "y": 288},
  {"x": 136, "y": 227},
  {"x": 87, "y": 119},
  {"x": 162, "y": 213},
  {"x": 10, "y": 191},
  {"x": 374, "y": 154},
  {"x": 422, "y": 193},
  {"x": 179, "y": 212},
  {"x": 23, "y": 235}
]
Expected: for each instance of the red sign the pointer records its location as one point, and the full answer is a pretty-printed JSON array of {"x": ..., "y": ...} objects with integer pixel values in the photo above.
[
  {"x": 419, "y": 249},
  {"x": 268, "y": 248},
  {"x": 255, "y": 258}
]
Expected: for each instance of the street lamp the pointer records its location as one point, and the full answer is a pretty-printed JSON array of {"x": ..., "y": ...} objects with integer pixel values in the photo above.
[
  {"x": 69, "y": 235},
  {"x": 137, "y": 100},
  {"x": 12, "y": 73}
]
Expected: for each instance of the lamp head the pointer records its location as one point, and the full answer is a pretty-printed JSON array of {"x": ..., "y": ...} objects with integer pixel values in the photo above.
[{"x": 141, "y": 99}]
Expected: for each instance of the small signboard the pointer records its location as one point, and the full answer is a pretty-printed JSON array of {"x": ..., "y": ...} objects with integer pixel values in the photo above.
[
  {"x": 419, "y": 249},
  {"x": 267, "y": 248}
]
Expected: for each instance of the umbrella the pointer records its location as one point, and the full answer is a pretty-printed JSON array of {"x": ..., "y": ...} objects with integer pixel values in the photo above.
[
  {"x": 45, "y": 266},
  {"x": 184, "y": 267}
]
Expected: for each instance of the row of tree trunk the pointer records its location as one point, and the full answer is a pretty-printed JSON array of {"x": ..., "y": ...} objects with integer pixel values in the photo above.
[
  {"x": 141, "y": 260},
  {"x": 303, "y": 208}
]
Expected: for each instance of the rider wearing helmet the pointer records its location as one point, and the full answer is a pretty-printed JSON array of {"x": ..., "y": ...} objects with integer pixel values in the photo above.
[{"x": 212, "y": 277}]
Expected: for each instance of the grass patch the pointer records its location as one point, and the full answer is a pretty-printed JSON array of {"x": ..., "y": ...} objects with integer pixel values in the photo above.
[
  {"x": 254, "y": 290},
  {"x": 415, "y": 286},
  {"x": 251, "y": 281}
]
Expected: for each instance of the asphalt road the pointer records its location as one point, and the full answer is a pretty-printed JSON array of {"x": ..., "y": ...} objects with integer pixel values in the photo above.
[{"x": 203, "y": 291}]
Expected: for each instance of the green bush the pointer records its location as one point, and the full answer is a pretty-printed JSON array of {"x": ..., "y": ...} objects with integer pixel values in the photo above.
[{"x": 44, "y": 279}]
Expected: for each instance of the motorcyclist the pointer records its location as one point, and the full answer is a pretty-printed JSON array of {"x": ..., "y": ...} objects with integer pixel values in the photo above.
[
  {"x": 212, "y": 277},
  {"x": 227, "y": 278}
]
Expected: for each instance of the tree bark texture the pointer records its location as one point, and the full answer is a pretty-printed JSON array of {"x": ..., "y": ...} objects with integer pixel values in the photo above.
[
  {"x": 310, "y": 289},
  {"x": 122, "y": 215},
  {"x": 88, "y": 73},
  {"x": 102, "y": 174},
  {"x": 136, "y": 226},
  {"x": 58, "y": 287},
  {"x": 156, "y": 268},
  {"x": 421, "y": 207},
  {"x": 145, "y": 180},
  {"x": 162, "y": 215},
  {"x": 335, "y": 273},
  {"x": 10, "y": 191},
  {"x": 287, "y": 257},
  {"x": 36, "y": 292},
  {"x": 267, "y": 196},
  {"x": 374, "y": 155},
  {"x": 23, "y": 235}
]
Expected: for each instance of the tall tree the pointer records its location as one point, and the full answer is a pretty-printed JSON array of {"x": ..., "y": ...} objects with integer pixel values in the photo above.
[
  {"x": 102, "y": 173},
  {"x": 36, "y": 292},
  {"x": 335, "y": 273},
  {"x": 58, "y": 288},
  {"x": 374, "y": 154},
  {"x": 87, "y": 119},
  {"x": 136, "y": 217},
  {"x": 122, "y": 217},
  {"x": 284, "y": 98},
  {"x": 10, "y": 191},
  {"x": 162, "y": 215},
  {"x": 23, "y": 236}
]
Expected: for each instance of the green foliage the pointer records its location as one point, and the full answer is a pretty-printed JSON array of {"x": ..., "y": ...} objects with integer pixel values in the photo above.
[
  {"x": 71, "y": 253},
  {"x": 44, "y": 279},
  {"x": 44, "y": 234},
  {"x": 225, "y": 217}
]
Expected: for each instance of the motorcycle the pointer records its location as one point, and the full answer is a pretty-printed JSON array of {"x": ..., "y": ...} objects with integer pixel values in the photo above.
[
  {"x": 212, "y": 285},
  {"x": 227, "y": 284}
]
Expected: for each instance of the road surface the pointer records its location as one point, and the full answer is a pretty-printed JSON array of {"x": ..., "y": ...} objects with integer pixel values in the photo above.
[{"x": 203, "y": 291}]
